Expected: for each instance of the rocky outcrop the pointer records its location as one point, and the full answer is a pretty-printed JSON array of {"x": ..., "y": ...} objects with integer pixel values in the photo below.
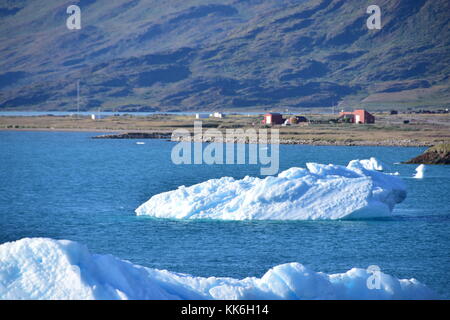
[
  {"x": 438, "y": 154},
  {"x": 135, "y": 135}
]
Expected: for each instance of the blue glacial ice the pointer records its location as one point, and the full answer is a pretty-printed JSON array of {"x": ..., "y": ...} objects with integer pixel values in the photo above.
[
  {"x": 358, "y": 191},
  {"x": 40, "y": 268}
]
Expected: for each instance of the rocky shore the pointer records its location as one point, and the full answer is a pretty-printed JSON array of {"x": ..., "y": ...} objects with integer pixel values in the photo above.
[
  {"x": 281, "y": 140},
  {"x": 135, "y": 135},
  {"x": 439, "y": 154}
]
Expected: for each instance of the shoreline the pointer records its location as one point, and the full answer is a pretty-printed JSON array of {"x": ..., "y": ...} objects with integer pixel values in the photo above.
[
  {"x": 420, "y": 130},
  {"x": 110, "y": 135}
]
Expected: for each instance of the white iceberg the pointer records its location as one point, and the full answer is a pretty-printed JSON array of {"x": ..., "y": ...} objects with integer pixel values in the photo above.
[
  {"x": 372, "y": 164},
  {"x": 420, "y": 171},
  {"x": 39, "y": 268},
  {"x": 317, "y": 192}
]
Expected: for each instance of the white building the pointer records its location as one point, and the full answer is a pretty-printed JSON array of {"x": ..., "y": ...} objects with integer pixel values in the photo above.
[
  {"x": 218, "y": 115},
  {"x": 97, "y": 116},
  {"x": 201, "y": 116}
]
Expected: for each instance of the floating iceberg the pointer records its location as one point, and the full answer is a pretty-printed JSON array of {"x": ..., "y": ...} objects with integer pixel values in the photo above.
[
  {"x": 372, "y": 164},
  {"x": 420, "y": 171},
  {"x": 318, "y": 192},
  {"x": 38, "y": 268}
]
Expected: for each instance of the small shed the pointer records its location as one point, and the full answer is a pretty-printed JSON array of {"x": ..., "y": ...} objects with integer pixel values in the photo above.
[
  {"x": 273, "y": 118},
  {"x": 201, "y": 116},
  {"x": 297, "y": 119},
  {"x": 97, "y": 116}
]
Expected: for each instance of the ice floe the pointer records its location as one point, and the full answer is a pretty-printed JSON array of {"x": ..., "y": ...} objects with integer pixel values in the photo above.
[{"x": 40, "y": 268}]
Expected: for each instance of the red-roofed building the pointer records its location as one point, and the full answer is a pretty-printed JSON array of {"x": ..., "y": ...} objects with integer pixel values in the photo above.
[
  {"x": 273, "y": 118},
  {"x": 359, "y": 116}
]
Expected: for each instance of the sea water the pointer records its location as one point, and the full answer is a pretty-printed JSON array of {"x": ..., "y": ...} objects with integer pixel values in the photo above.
[{"x": 65, "y": 185}]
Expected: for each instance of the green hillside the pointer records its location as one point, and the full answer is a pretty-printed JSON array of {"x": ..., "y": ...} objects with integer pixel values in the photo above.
[{"x": 192, "y": 55}]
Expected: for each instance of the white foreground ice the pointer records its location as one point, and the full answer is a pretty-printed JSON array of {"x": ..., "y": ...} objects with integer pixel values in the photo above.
[
  {"x": 39, "y": 268},
  {"x": 317, "y": 192}
]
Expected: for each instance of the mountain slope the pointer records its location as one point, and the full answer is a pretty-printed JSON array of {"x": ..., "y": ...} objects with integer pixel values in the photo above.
[{"x": 190, "y": 55}]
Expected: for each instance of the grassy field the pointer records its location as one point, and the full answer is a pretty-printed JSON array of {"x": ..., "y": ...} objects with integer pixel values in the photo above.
[{"x": 422, "y": 129}]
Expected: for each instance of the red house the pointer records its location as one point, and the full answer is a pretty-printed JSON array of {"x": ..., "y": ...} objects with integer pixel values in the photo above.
[
  {"x": 273, "y": 118},
  {"x": 359, "y": 116}
]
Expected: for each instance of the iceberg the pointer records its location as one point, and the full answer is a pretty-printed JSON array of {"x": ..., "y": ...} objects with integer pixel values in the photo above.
[
  {"x": 372, "y": 164},
  {"x": 41, "y": 268},
  {"x": 357, "y": 191},
  {"x": 420, "y": 171}
]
